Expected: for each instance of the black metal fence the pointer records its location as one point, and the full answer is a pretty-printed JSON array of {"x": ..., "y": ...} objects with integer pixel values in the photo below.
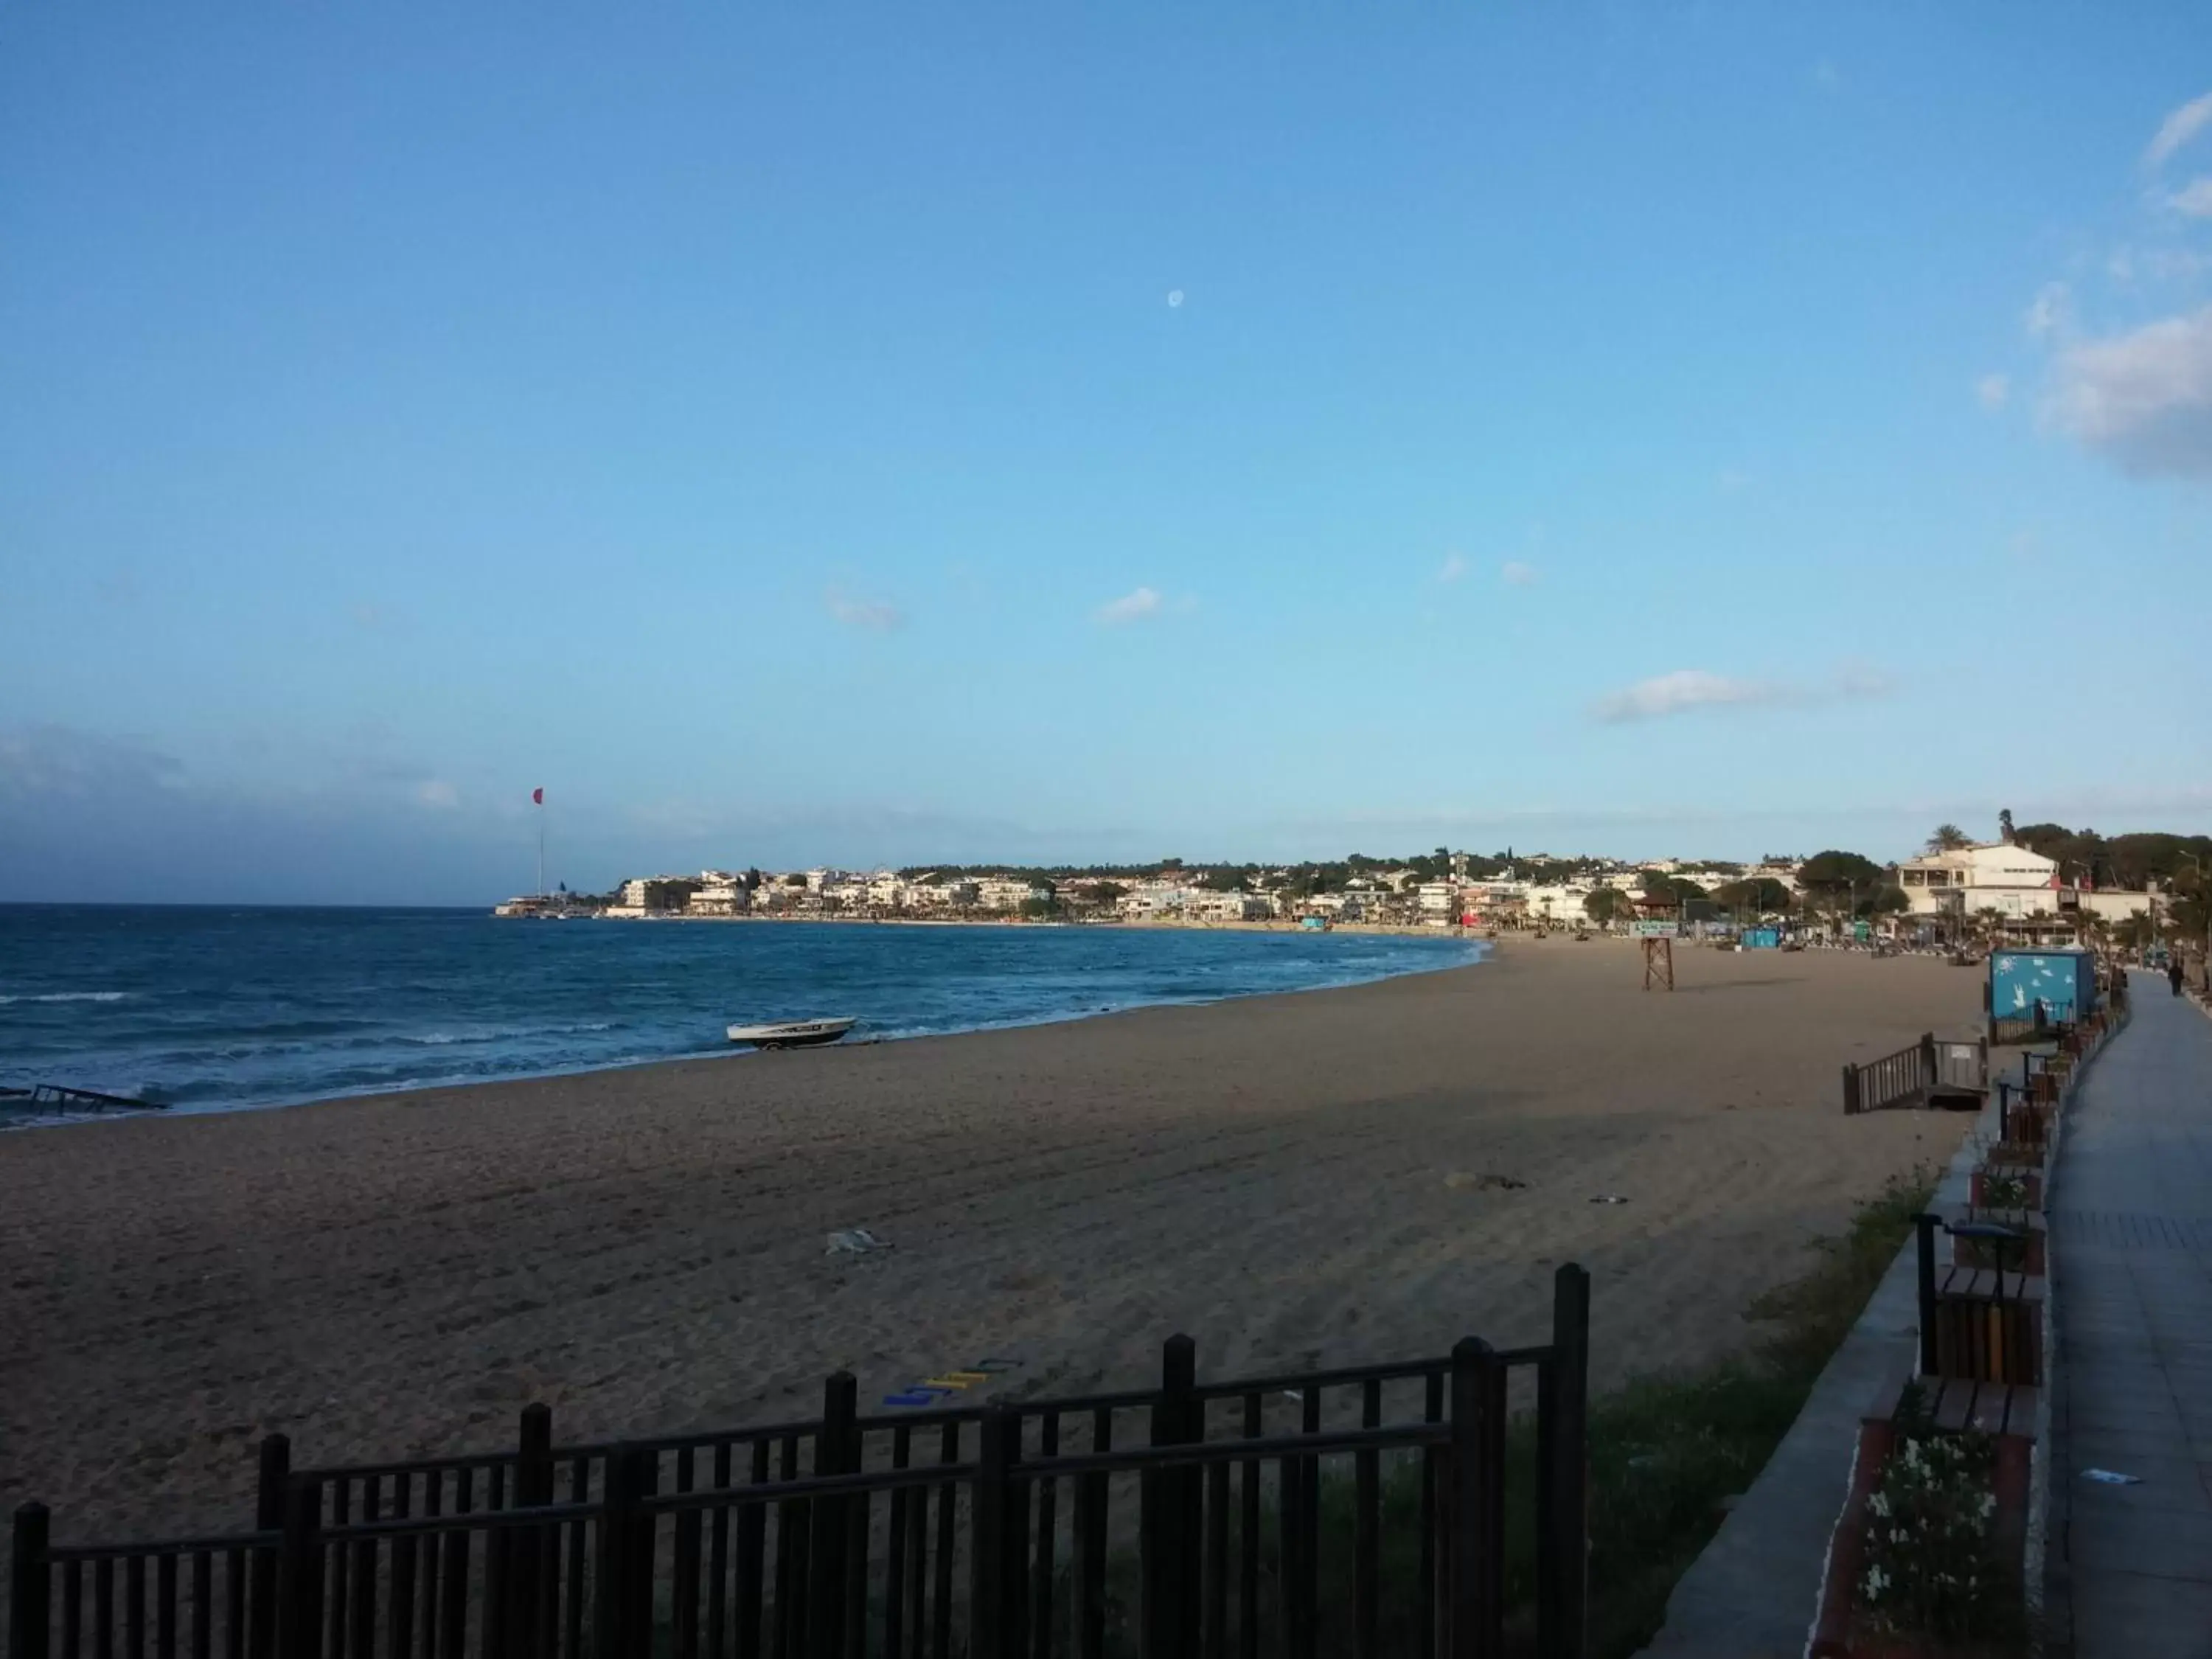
[{"x": 1366, "y": 1510}]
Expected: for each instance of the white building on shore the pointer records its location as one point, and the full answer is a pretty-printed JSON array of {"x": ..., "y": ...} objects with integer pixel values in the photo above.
[
  {"x": 1005, "y": 893},
  {"x": 648, "y": 895},
  {"x": 2011, "y": 880},
  {"x": 720, "y": 893},
  {"x": 1564, "y": 903},
  {"x": 2016, "y": 883},
  {"x": 1230, "y": 907}
]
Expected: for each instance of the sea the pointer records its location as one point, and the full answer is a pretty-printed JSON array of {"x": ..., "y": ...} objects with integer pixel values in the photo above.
[{"x": 219, "y": 1008}]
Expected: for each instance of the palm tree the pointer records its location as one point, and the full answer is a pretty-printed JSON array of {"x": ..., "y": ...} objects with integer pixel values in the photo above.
[{"x": 1947, "y": 838}]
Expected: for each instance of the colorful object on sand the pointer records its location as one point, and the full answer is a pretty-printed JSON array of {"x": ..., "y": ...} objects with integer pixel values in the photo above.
[{"x": 930, "y": 1390}]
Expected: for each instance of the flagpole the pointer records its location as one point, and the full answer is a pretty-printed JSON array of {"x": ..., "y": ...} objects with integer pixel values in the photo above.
[{"x": 538, "y": 799}]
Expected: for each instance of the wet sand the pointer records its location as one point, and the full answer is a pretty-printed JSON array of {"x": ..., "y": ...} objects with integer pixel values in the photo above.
[{"x": 643, "y": 1249}]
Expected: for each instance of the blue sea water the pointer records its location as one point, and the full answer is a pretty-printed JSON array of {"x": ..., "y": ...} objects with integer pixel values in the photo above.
[{"x": 211, "y": 1008}]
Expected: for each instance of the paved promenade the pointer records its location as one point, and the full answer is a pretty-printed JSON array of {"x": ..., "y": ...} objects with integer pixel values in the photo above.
[{"x": 2132, "y": 1238}]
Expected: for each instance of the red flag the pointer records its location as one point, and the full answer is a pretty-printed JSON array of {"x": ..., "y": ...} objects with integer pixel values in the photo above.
[{"x": 537, "y": 798}]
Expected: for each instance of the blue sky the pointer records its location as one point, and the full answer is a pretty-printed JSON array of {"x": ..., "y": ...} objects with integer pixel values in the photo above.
[{"x": 881, "y": 434}]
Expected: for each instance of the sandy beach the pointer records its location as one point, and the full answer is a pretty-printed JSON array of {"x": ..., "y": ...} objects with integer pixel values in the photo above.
[{"x": 644, "y": 1248}]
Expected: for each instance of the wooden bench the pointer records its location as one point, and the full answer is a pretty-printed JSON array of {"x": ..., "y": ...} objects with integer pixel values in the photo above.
[
  {"x": 1987, "y": 1325},
  {"x": 2026, "y": 1120},
  {"x": 1978, "y": 1324},
  {"x": 1953, "y": 1405}
]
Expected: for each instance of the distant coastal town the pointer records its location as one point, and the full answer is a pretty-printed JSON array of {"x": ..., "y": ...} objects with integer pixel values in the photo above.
[{"x": 2041, "y": 885}]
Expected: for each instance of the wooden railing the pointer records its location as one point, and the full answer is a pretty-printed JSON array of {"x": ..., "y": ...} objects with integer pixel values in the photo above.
[
  {"x": 1924, "y": 1074},
  {"x": 1347, "y": 1510}
]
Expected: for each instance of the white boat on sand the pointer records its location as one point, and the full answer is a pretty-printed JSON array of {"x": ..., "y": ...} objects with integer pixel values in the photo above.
[{"x": 793, "y": 1033}]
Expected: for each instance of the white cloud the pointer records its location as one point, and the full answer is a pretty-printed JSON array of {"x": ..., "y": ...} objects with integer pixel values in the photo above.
[
  {"x": 2128, "y": 265},
  {"x": 1856, "y": 682},
  {"x": 1514, "y": 574},
  {"x": 1993, "y": 389},
  {"x": 2052, "y": 311},
  {"x": 2173, "y": 265},
  {"x": 2178, "y": 128},
  {"x": 1453, "y": 567},
  {"x": 1688, "y": 689},
  {"x": 438, "y": 793},
  {"x": 2193, "y": 198},
  {"x": 1684, "y": 689},
  {"x": 876, "y": 615},
  {"x": 1130, "y": 607},
  {"x": 2143, "y": 398}
]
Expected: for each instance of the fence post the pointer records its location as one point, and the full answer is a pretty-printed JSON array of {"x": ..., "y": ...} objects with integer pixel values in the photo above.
[
  {"x": 1928, "y": 1077},
  {"x": 1850, "y": 1089},
  {"x": 987, "y": 1563},
  {"x": 825, "y": 1553},
  {"x": 29, "y": 1587},
  {"x": 275, "y": 1475},
  {"x": 1563, "y": 1482},
  {"x": 611, "y": 1619},
  {"x": 1167, "y": 1532},
  {"x": 1478, "y": 1541},
  {"x": 300, "y": 1571},
  {"x": 527, "y": 1550},
  {"x": 1926, "y": 1226},
  {"x": 640, "y": 1572}
]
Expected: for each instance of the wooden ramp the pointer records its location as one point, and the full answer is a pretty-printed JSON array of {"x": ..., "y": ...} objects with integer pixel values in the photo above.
[{"x": 1950, "y": 1075}]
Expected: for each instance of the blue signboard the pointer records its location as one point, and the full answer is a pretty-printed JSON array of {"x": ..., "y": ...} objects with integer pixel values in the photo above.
[{"x": 2063, "y": 981}]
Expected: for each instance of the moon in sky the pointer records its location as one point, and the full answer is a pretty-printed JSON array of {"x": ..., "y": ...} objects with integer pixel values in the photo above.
[{"x": 1174, "y": 298}]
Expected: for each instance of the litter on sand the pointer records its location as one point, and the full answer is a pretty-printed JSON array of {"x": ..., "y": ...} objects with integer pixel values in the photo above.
[
  {"x": 1459, "y": 1179},
  {"x": 1608, "y": 1198},
  {"x": 856, "y": 1240},
  {"x": 2110, "y": 1478}
]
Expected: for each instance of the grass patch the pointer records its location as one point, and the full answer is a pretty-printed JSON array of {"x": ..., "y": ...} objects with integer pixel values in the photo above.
[{"x": 1664, "y": 1451}]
